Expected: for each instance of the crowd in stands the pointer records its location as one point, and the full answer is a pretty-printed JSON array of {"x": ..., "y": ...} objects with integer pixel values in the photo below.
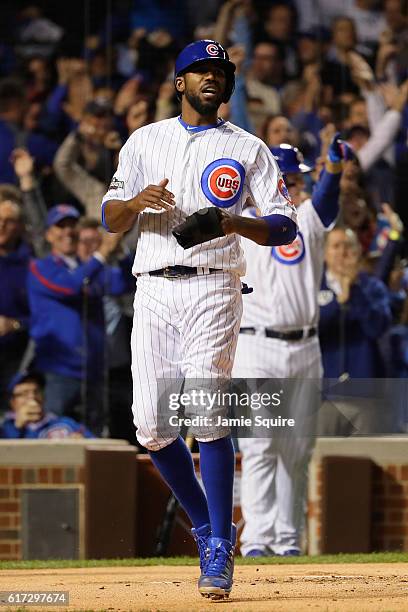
[{"x": 305, "y": 69}]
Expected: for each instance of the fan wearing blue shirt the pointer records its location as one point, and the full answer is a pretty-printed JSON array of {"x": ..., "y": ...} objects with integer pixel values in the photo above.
[{"x": 27, "y": 418}]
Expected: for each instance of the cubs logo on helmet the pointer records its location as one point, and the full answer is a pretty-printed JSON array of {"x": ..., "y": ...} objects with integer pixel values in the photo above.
[
  {"x": 204, "y": 51},
  {"x": 290, "y": 254},
  {"x": 222, "y": 182},
  {"x": 212, "y": 49},
  {"x": 283, "y": 190}
]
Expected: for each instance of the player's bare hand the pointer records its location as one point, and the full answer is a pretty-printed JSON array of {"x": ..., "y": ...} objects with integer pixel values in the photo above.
[
  {"x": 153, "y": 196},
  {"x": 227, "y": 222}
]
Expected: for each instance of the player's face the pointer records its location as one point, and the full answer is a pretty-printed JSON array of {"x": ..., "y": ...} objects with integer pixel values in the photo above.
[
  {"x": 295, "y": 184},
  {"x": 63, "y": 237},
  {"x": 205, "y": 87}
]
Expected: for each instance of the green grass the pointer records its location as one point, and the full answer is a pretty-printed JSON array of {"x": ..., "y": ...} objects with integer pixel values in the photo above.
[{"x": 390, "y": 557}]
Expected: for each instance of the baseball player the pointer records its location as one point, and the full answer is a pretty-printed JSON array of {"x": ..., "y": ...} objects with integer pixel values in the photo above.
[
  {"x": 278, "y": 339},
  {"x": 184, "y": 181}
]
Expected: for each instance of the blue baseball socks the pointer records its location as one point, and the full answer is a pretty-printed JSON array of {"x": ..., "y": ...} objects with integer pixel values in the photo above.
[
  {"x": 217, "y": 464},
  {"x": 175, "y": 464}
]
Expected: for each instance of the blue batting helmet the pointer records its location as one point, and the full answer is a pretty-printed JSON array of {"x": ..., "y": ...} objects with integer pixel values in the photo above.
[
  {"x": 203, "y": 51},
  {"x": 290, "y": 159}
]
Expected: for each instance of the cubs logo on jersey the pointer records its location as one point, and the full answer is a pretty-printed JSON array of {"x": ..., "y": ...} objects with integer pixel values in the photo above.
[
  {"x": 222, "y": 182},
  {"x": 290, "y": 254}
]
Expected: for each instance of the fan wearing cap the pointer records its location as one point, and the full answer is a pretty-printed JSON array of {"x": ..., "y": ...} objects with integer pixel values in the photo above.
[
  {"x": 27, "y": 418},
  {"x": 278, "y": 340},
  {"x": 67, "y": 319}
]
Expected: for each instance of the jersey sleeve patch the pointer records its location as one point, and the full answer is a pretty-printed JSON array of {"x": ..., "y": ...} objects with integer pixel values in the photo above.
[
  {"x": 283, "y": 190},
  {"x": 115, "y": 184},
  {"x": 290, "y": 254}
]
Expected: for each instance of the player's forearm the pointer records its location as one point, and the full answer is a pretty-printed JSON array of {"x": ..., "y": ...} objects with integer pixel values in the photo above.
[
  {"x": 325, "y": 198},
  {"x": 267, "y": 231},
  {"x": 117, "y": 216}
]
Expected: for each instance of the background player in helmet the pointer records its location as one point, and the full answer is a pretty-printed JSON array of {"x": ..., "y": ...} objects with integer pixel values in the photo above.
[
  {"x": 278, "y": 340},
  {"x": 188, "y": 303}
]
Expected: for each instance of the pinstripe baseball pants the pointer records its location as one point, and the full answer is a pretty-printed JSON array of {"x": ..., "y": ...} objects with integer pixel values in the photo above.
[
  {"x": 183, "y": 328},
  {"x": 274, "y": 469}
]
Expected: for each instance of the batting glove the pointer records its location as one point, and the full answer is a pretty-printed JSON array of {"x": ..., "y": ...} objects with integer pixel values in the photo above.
[{"x": 340, "y": 150}]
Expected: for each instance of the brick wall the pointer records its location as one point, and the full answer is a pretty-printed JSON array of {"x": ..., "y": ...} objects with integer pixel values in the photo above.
[
  {"x": 314, "y": 507},
  {"x": 31, "y": 465},
  {"x": 390, "y": 507},
  {"x": 389, "y": 502},
  {"x": 12, "y": 480}
]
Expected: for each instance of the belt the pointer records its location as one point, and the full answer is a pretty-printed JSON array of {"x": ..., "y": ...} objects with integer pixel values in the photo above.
[
  {"x": 295, "y": 334},
  {"x": 182, "y": 271}
]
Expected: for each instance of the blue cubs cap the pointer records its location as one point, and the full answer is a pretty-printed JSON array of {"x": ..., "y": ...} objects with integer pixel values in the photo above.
[
  {"x": 21, "y": 377},
  {"x": 203, "y": 51},
  {"x": 290, "y": 159},
  {"x": 59, "y": 212}
]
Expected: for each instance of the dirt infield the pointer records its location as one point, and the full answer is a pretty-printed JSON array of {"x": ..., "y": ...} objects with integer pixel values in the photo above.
[{"x": 276, "y": 588}]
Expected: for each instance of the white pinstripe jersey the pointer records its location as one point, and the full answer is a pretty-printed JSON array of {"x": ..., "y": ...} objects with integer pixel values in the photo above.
[
  {"x": 221, "y": 165},
  {"x": 286, "y": 279}
]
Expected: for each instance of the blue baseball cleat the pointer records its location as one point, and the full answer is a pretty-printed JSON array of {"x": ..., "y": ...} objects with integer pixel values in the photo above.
[
  {"x": 216, "y": 580},
  {"x": 202, "y": 535},
  {"x": 292, "y": 552}
]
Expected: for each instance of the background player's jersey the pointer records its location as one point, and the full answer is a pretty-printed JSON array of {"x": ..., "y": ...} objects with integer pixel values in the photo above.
[
  {"x": 286, "y": 278},
  {"x": 216, "y": 166}
]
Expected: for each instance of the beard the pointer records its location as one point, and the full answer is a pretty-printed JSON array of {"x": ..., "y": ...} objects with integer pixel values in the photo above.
[{"x": 206, "y": 107}]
